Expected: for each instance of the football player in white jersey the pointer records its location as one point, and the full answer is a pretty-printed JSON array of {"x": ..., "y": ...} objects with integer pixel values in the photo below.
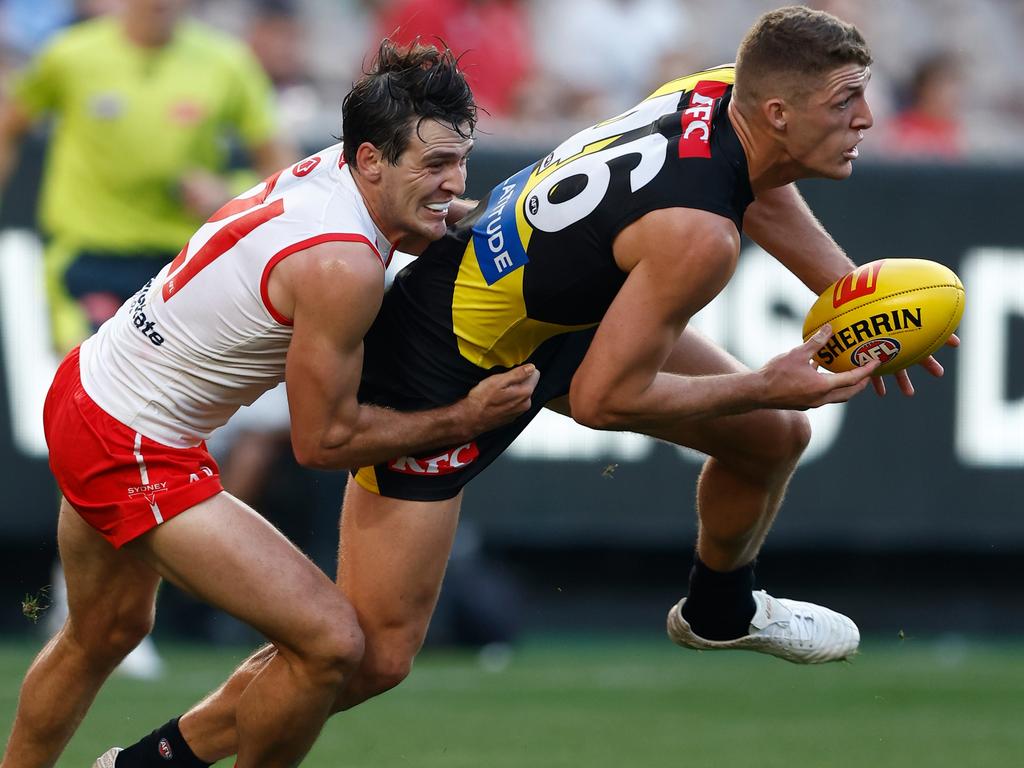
[{"x": 281, "y": 283}]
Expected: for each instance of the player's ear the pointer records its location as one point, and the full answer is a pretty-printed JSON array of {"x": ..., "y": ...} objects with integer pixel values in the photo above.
[
  {"x": 369, "y": 161},
  {"x": 775, "y": 112}
]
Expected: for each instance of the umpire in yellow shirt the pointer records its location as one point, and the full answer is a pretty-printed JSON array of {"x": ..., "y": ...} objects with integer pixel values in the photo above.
[{"x": 145, "y": 105}]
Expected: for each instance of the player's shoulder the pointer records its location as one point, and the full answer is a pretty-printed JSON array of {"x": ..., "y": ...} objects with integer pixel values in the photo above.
[
  {"x": 329, "y": 267},
  {"x": 688, "y": 228},
  {"x": 725, "y": 74},
  {"x": 88, "y": 37},
  {"x": 325, "y": 204},
  {"x": 316, "y": 182}
]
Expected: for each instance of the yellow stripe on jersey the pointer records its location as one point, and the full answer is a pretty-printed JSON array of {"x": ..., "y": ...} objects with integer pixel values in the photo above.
[
  {"x": 366, "y": 477},
  {"x": 724, "y": 74},
  {"x": 538, "y": 176},
  {"x": 490, "y": 321}
]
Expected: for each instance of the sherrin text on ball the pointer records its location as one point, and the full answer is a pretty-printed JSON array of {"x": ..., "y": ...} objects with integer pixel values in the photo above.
[{"x": 896, "y": 311}]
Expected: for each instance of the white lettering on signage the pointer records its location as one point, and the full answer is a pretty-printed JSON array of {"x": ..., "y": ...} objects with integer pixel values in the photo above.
[{"x": 989, "y": 423}]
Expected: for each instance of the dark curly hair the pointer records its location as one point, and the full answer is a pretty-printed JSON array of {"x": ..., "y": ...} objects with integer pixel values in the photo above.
[{"x": 404, "y": 86}]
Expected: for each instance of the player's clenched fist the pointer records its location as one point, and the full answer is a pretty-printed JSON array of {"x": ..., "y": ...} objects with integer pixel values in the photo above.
[{"x": 500, "y": 398}]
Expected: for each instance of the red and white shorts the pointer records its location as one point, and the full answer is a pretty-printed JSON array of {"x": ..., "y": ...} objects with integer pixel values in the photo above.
[{"x": 120, "y": 482}]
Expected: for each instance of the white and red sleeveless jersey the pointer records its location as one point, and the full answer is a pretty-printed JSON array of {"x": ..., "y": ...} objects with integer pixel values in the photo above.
[{"x": 202, "y": 339}]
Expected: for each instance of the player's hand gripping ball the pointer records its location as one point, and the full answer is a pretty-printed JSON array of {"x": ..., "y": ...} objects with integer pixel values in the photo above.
[{"x": 896, "y": 311}]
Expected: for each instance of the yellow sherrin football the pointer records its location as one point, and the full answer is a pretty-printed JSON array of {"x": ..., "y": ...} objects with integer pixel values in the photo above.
[{"x": 897, "y": 311}]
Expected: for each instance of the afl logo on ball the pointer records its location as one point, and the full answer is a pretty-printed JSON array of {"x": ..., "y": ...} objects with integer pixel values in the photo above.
[
  {"x": 883, "y": 350},
  {"x": 164, "y": 747}
]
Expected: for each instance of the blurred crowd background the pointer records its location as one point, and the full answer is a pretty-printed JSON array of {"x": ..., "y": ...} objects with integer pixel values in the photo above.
[
  {"x": 933, "y": 506},
  {"x": 948, "y": 79}
]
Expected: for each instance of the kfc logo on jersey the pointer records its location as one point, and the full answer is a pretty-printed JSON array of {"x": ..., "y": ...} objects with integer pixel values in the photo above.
[
  {"x": 695, "y": 140},
  {"x": 441, "y": 464},
  {"x": 306, "y": 166}
]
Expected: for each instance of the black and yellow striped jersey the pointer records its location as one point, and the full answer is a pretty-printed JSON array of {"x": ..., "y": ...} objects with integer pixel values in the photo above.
[{"x": 534, "y": 259}]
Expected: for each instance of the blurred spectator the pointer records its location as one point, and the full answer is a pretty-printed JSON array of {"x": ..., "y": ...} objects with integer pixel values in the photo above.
[
  {"x": 276, "y": 34},
  {"x": 602, "y": 53},
  {"x": 493, "y": 37},
  {"x": 929, "y": 126},
  {"x": 26, "y": 24},
  {"x": 144, "y": 102}
]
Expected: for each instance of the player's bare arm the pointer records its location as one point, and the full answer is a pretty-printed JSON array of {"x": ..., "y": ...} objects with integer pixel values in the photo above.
[
  {"x": 620, "y": 384},
  {"x": 271, "y": 155},
  {"x": 780, "y": 221},
  {"x": 204, "y": 191},
  {"x": 333, "y": 292}
]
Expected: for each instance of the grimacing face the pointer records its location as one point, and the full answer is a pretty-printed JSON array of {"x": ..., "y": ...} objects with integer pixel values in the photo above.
[
  {"x": 823, "y": 130},
  {"x": 429, "y": 174}
]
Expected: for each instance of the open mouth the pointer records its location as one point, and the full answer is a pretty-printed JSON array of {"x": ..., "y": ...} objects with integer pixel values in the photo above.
[
  {"x": 441, "y": 208},
  {"x": 852, "y": 153}
]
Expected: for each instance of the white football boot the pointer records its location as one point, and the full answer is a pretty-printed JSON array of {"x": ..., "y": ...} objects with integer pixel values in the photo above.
[
  {"x": 803, "y": 633},
  {"x": 106, "y": 760}
]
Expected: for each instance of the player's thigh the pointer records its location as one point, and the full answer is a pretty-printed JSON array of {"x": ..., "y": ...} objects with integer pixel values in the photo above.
[
  {"x": 755, "y": 435},
  {"x": 110, "y": 591},
  {"x": 227, "y": 555},
  {"x": 392, "y": 559}
]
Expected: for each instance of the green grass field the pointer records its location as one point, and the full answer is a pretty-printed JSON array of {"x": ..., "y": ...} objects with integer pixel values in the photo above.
[{"x": 607, "y": 703}]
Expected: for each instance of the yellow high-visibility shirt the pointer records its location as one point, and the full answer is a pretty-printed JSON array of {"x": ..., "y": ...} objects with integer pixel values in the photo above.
[{"x": 130, "y": 120}]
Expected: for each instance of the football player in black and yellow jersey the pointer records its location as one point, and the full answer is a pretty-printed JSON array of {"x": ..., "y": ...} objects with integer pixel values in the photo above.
[{"x": 588, "y": 266}]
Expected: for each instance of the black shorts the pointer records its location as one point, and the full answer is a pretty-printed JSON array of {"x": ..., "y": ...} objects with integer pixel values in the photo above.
[{"x": 407, "y": 367}]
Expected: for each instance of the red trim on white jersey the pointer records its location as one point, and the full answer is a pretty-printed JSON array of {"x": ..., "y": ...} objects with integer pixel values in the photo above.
[
  {"x": 301, "y": 246},
  {"x": 240, "y": 204},
  {"x": 175, "y": 367}
]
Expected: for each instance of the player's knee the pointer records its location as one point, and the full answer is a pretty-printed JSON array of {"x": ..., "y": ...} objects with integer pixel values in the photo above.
[
  {"x": 110, "y": 638},
  {"x": 772, "y": 450},
  {"x": 384, "y": 673},
  {"x": 780, "y": 442},
  {"x": 793, "y": 433},
  {"x": 333, "y": 652},
  {"x": 132, "y": 629}
]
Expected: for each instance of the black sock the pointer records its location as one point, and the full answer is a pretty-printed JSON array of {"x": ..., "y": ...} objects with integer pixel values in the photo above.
[
  {"x": 720, "y": 605},
  {"x": 163, "y": 748}
]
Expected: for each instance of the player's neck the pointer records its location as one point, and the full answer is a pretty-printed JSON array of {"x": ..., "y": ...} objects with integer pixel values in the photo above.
[
  {"x": 145, "y": 31},
  {"x": 767, "y": 165},
  {"x": 372, "y": 202}
]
